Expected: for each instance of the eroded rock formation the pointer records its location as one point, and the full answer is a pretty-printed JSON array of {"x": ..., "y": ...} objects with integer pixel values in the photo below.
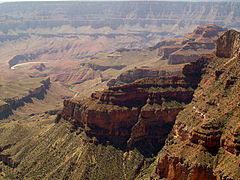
[
  {"x": 200, "y": 42},
  {"x": 228, "y": 45},
  {"x": 10, "y": 100},
  {"x": 204, "y": 142},
  {"x": 134, "y": 115},
  {"x": 137, "y": 73}
]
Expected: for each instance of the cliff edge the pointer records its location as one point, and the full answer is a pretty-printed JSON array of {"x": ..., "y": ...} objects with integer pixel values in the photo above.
[
  {"x": 204, "y": 142},
  {"x": 139, "y": 114},
  {"x": 15, "y": 94}
]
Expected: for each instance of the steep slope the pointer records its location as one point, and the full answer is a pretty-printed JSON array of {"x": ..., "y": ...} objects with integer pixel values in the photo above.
[
  {"x": 192, "y": 46},
  {"x": 15, "y": 94},
  {"x": 172, "y": 53},
  {"x": 135, "y": 115},
  {"x": 56, "y": 151},
  {"x": 112, "y": 134},
  {"x": 204, "y": 142}
]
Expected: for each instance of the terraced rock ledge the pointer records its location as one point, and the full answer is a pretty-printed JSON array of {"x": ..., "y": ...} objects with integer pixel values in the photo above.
[
  {"x": 204, "y": 142},
  {"x": 15, "y": 94},
  {"x": 140, "y": 114}
]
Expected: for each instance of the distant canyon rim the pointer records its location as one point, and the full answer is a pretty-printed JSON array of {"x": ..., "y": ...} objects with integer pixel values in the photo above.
[{"x": 120, "y": 90}]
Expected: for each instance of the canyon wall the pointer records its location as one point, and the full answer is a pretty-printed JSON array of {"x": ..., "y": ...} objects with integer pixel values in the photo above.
[
  {"x": 204, "y": 142},
  {"x": 98, "y": 14},
  {"x": 134, "y": 115},
  {"x": 13, "y": 100},
  {"x": 180, "y": 51}
]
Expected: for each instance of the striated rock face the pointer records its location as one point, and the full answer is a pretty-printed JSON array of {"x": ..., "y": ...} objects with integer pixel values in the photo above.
[
  {"x": 205, "y": 140},
  {"x": 138, "y": 73},
  {"x": 176, "y": 53},
  {"x": 174, "y": 168},
  {"x": 140, "y": 114},
  {"x": 228, "y": 45},
  {"x": 200, "y": 42},
  {"x": 181, "y": 58}
]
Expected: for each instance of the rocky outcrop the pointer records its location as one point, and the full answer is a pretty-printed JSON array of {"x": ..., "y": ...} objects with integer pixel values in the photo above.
[
  {"x": 102, "y": 68},
  {"x": 134, "y": 115},
  {"x": 13, "y": 101},
  {"x": 174, "y": 168},
  {"x": 137, "y": 73},
  {"x": 228, "y": 45},
  {"x": 194, "y": 45},
  {"x": 181, "y": 58},
  {"x": 205, "y": 140}
]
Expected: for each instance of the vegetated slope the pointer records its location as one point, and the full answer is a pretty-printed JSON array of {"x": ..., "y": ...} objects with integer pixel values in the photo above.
[
  {"x": 84, "y": 76},
  {"x": 15, "y": 94},
  {"x": 52, "y": 151},
  {"x": 204, "y": 142},
  {"x": 202, "y": 145}
]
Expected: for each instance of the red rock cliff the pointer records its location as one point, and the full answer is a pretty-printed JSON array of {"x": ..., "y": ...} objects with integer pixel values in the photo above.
[
  {"x": 139, "y": 114},
  {"x": 200, "y": 42},
  {"x": 205, "y": 140}
]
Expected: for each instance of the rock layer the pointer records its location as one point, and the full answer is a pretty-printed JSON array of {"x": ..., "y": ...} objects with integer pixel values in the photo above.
[
  {"x": 134, "y": 115},
  {"x": 204, "y": 142},
  {"x": 14, "y": 100},
  {"x": 200, "y": 42},
  {"x": 228, "y": 45}
]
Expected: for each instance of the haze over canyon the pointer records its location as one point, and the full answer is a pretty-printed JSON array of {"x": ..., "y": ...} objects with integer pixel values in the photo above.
[{"x": 120, "y": 90}]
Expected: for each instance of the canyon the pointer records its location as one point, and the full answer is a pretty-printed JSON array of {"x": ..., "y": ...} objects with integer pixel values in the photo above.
[
  {"x": 102, "y": 70},
  {"x": 139, "y": 114},
  {"x": 15, "y": 94},
  {"x": 208, "y": 126},
  {"x": 181, "y": 126},
  {"x": 204, "y": 138},
  {"x": 119, "y": 90}
]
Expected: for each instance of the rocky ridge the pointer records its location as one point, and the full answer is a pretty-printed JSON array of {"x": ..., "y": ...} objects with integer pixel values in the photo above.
[
  {"x": 177, "y": 52},
  {"x": 192, "y": 46},
  {"x": 26, "y": 89},
  {"x": 134, "y": 115},
  {"x": 204, "y": 142}
]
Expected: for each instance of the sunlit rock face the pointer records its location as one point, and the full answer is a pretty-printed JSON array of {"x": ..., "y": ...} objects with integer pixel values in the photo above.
[
  {"x": 204, "y": 142},
  {"x": 139, "y": 114}
]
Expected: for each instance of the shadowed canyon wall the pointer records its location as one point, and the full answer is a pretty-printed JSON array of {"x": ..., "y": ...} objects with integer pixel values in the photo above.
[{"x": 140, "y": 114}]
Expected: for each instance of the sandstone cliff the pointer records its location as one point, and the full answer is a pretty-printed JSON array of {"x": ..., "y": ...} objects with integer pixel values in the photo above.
[
  {"x": 204, "y": 142},
  {"x": 134, "y": 115},
  {"x": 194, "y": 45},
  {"x": 176, "y": 52},
  {"x": 228, "y": 46},
  {"x": 137, "y": 73}
]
